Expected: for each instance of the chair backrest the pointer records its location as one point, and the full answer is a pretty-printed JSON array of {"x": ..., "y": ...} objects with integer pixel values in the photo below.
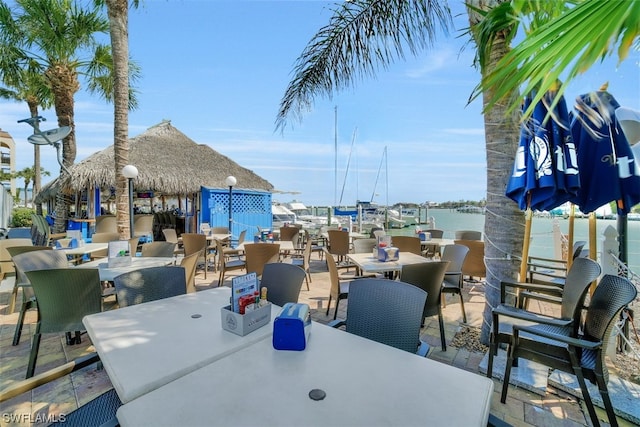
[
  {"x": 190, "y": 264},
  {"x": 407, "y": 244},
  {"x": 170, "y": 235},
  {"x": 338, "y": 242},
  {"x": 194, "y": 242},
  {"x": 158, "y": 249},
  {"x": 363, "y": 246},
  {"x": 612, "y": 294},
  {"x": 133, "y": 245},
  {"x": 468, "y": 235},
  {"x": 219, "y": 230},
  {"x": 289, "y": 234},
  {"x": 474, "y": 262},
  {"x": 242, "y": 236},
  {"x": 583, "y": 271},
  {"x": 104, "y": 237},
  {"x": 455, "y": 254},
  {"x": 65, "y": 296},
  {"x": 386, "y": 311},
  {"x": 106, "y": 224},
  {"x": 259, "y": 254},
  {"x": 38, "y": 260},
  {"x": 6, "y": 265},
  {"x": 427, "y": 276},
  {"x": 149, "y": 284},
  {"x": 334, "y": 276},
  {"x": 143, "y": 225},
  {"x": 283, "y": 282},
  {"x": 435, "y": 233}
]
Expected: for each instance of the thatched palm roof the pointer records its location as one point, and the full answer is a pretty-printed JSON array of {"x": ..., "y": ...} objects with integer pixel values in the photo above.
[{"x": 168, "y": 162}]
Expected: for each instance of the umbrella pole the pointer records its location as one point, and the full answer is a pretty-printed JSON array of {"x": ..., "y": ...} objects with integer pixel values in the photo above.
[
  {"x": 593, "y": 250},
  {"x": 525, "y": 244},
  {"x": 572, "y": 216},
  {"x": 622, "y": 232}
]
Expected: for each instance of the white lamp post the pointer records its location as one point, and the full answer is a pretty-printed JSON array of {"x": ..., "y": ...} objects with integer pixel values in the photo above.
[
  {"x": 230, "y": 181},
  {"x": 130, "y": 172}
]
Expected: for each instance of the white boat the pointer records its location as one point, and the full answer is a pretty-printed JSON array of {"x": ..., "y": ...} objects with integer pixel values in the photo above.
[{"x": 304, "y": 214}]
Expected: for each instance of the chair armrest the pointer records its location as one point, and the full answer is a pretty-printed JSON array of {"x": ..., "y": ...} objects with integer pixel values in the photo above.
[
  {"x": 522, "y": 285},
  {"x": 552, "y": 299},
  {"x": 47, "y": 376},
  {"x": 337, "y": 323},
  {"x": 453, "y": 273},
  {"x": 517, "y": 313},
  {"x": 574, "y": 342}
]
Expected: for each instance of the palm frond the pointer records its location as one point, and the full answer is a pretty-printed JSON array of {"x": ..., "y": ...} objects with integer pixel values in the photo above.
[{"x": 361, "y": 37}]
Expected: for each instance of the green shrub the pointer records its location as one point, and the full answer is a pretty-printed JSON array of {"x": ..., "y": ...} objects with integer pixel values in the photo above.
[{"x": 21, "y": 217}]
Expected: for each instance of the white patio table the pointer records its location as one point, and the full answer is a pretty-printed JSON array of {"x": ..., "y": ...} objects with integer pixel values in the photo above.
[
  {"x": 366, "y": 384},
  {"x": 368, "y": 264},
  {"x": 108, "y": 273}
]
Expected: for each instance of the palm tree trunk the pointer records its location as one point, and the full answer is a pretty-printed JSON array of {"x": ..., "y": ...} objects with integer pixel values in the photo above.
[
  {"x": 504, "y": 222},
  {"x": 118, "y": 23}
]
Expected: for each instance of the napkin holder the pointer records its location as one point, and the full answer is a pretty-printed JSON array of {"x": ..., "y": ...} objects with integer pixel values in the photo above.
[
  {"x": 388, "y": 254},
  {"x": 292, "y": 327},
  {"x": 424, "y": 237},
  {"x": 68, "y": 243},
  {"x": 243, "y": 324},
  {"x": 118, "y": 253}
]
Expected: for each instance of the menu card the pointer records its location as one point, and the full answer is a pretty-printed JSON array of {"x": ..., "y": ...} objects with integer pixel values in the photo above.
[{"x": 243, "y": 285}]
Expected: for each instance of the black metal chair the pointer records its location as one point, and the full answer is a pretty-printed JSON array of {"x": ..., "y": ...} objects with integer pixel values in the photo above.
[
  {"x": 582, "y": 354},
  {"x": 283, "y": 282},
  {"x": 150, "y": 284},
  {"x": 429, "y": 276},
  {"x": 582, "y": 273},
  {"x": 386, "y": 311}
]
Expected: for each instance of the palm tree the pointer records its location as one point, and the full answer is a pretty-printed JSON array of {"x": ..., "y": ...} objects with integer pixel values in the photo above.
[
  {"x": 56, "y": 38},
  {"x": 28, "y": 175},
  {"x": 117, "y": 11},
  {"x": 356, "y": 41}
]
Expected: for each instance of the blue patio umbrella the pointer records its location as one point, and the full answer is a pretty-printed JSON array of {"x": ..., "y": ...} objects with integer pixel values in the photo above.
[
  {"x": 609, "y": 169},
  {"x": 545, "y": 173}
]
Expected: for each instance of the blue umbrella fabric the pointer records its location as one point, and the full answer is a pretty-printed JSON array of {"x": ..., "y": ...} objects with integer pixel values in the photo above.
[
  {"x": 609, "y": 169},
  {"x": 545, "y": 172}
]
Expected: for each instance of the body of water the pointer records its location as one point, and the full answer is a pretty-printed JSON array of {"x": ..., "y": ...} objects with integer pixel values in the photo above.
[{"x": 542, "y": 243}]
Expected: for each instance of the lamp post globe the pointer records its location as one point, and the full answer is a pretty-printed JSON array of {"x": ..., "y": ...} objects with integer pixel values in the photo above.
[{"x": 130, "y": 172}]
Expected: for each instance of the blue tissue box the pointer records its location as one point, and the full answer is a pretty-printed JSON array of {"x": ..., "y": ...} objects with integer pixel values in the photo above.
[
  {"x": 291, "y": 327},
  {"x": 388, "y": 254}
]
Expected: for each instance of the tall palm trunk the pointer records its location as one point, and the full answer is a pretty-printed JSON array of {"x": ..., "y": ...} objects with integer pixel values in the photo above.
[
  {"x": 64, "y": 83},
  {"x": 118, "y": 22},
  {"x": 504, "y": 222}
]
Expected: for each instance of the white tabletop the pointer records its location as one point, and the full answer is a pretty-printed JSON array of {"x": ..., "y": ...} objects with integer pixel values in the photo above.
[
  {"x": 285, "y": 245},
  {"x": 87, "y": 248},
  {"x": 437, "y": 242},
  {"x": 368, "y": 264},
  {"x": 366, "y": 383},
  {"x": 107, "y": 274},
  {"x": 148, "y": 345}
]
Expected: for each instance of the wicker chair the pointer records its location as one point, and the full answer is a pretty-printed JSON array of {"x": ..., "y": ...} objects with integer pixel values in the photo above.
[
  {"x": 190, "y": 264},
  {"x": 582, "y": 355},
  {"x": 225, "y": 265},
  {"x": 386, "y": 311},
  {"x": 473, "y": 265},
  {"x": 170, "y": 235},
  {"x": 100, "y": 411},
  {"x": 304, "y": 261},
  {"x": 428, "y": 276},
  {"x": 104, "y": 237},
  {"x": 6, "y": 265},
  {"x": 25, "y": 259},
  {"x": 106, "y": 224},
  {"x": 505, "y": 317},
  {"x": 258, "y": 254},
  {"x": 65, "y": 296},
  {"x": 453, "y": 280},
  {"x": 468, "y": 235},
  {"x": 196, "y": 243},
  {"x": 150, "y": 284},
  {"x": 283, "y": 282},
  {"x": 407, "y": 244},
  {"x": 158, "y": 249},
  {"x": 339, "y": 289}
]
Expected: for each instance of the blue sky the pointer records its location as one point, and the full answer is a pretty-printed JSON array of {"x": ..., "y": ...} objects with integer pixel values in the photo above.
[{"x": 218, "y": 69}]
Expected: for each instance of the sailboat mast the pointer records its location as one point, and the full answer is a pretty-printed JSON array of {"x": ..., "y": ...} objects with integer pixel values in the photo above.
[{"x": 335, "y": 148}]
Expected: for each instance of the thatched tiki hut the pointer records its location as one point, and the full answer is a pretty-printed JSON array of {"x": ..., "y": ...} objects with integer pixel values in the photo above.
[{"x": 169, "y": 164}]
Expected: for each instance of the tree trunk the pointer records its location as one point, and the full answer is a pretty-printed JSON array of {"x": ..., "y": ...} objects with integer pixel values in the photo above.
[
  {"x": 504, "y": 222},
  {"x": 64, "y": 84},
  {"x": 118, "y": 23}
]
